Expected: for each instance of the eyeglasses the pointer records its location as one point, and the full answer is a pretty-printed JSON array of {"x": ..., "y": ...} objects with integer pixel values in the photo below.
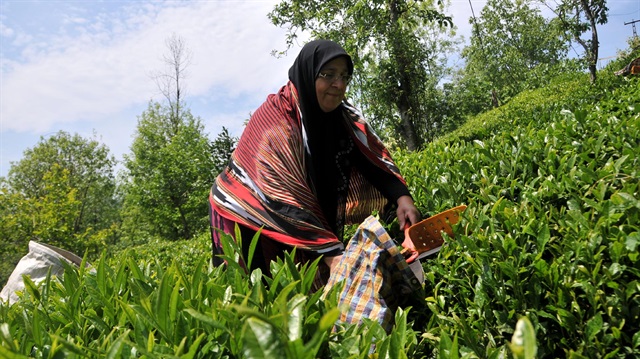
[{"x": 335, "y": 77}]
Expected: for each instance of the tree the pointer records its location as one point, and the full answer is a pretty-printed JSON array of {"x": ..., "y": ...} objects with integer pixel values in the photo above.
[
  {"x": 171, "y": 83},
  {"x": 171, "y": 167},
  {"x": 384, "y": 40},
  {"x": 578, "y": 17},
  {"x": 512, "y": 47},
  {"x": 82, "y": 165},
  {"x": 221, "y": 149},
  {"x": 170, "y": 171},
  {"x": 61, "y": 193},
  {"x": 13, "y": 237}
]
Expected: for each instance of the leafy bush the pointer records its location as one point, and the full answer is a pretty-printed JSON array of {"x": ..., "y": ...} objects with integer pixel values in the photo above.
[
  {"x": 186, "y": 253},
  {"x": 136, "y": 307},
  {"x": 551, "y": 233}
]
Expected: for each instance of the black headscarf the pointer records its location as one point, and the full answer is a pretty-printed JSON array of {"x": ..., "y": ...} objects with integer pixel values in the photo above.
[
  {"x": 305, "y": 69},
  {"x": 325, "y": 132}
]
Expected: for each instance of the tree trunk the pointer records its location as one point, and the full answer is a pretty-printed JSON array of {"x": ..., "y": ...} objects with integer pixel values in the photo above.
[
  {"x": 404, "y": 98},
  {"x": 408, "y": 130},
  {"x": 593, "y": 51}
]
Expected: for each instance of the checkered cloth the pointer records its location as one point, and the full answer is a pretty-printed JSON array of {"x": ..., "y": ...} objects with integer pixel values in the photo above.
[{"x": 377, "y": 279}]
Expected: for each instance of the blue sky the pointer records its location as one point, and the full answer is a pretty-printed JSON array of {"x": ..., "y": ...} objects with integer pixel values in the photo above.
[{"x": 86, "y": 66}]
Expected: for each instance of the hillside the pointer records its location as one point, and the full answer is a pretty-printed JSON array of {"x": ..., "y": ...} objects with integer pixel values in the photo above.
[{"x": 551, "y": 232}]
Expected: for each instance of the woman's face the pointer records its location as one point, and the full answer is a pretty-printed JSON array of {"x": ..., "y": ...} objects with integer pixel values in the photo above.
[{"x": 330, "y": 89}]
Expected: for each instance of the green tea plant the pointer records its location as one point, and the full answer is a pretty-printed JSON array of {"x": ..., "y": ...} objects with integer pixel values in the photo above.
[
  {"x": 132, "y": 308},
  {"x": 551, "y": 233},
  {"x": 187, "y": 253}
]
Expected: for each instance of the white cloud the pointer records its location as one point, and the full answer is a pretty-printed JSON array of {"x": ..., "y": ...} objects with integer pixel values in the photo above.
[
  {"x": 104, "y": 67},
  {"x": 74, "y": 20},
  {"x": 81, "y": 66},
  {"x": 6, "y": 31}
]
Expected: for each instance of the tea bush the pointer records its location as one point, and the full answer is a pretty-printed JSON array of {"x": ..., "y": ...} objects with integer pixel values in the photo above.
[
  {"x": 186, "y": 253},
  {"x": 551, "y": 233},
  {"x": 142, "y": 308}
]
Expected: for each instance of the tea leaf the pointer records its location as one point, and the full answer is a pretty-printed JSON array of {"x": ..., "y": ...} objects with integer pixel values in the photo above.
[
  {"x": 632, "y": 240},
  {"x": 31, "y": 287},
  {"x": 594, "y": 326},
  {"x": 6, "y": 353},
  {"x": 261, "y": 340},
  {"x": 523, "y": 343},
  {"x": 294, "y": 320},
  {"x": 205, "y": 319},
  {"x": 448, "y": 348},
  {"x": 7, "y": 340},
  {"x": 252, "y": 247},
  {"x": 195, "y": 346},
  {"x": 115, "y": 350},
  {"x": 328, "y": 320}
]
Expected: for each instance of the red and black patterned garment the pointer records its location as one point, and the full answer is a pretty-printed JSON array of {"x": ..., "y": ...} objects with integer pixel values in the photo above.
[{"x": 300, "y": 174}]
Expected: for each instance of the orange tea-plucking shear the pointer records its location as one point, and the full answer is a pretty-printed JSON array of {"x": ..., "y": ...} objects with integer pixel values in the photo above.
[{"x": 425, "y": 237}]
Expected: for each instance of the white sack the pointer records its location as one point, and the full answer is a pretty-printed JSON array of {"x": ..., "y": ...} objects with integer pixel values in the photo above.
[{"x": 36, "y": 264}]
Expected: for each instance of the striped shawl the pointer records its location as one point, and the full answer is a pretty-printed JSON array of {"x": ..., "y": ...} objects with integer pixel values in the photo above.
[{"x": 266, "y": 184}]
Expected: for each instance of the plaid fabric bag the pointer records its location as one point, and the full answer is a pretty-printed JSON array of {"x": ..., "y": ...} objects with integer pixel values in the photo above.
[{"x": 377, "y": 279}]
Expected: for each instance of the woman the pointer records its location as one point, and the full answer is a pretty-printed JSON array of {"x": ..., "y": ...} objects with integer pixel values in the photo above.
[{"x": 306, "y": 164}]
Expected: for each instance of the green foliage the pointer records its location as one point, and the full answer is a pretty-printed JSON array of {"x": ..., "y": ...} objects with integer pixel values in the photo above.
[
  {"x": 61, "y": 193},
  {"x": 551, "y": 232},
  {"x": 129, "y": 307},
  {"x": 541, "y": 103},
  {"x": 170, "y": 170},
  {"x": 513, "y": 48},
  {"x": 523, "y": 343},
  {"x": 577, "y": 17},
  {"x": 188, "y": 253},
  {"x": 395, "y": 48},
  {"x": 221, "y": 149},
  {"x": 13, "y": 243}
]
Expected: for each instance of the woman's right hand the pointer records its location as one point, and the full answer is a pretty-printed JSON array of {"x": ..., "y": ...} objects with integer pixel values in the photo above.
[{"x": 407, "y": 212}]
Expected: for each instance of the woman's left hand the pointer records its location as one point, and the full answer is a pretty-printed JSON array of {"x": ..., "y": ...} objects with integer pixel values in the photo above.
[{"x": 407, "y": 212}]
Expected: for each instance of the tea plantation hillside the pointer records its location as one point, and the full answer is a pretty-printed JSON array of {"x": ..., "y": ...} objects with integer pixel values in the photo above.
[
  {"x": 552, "y": 228},
  {"x": 544, "y": 263}
]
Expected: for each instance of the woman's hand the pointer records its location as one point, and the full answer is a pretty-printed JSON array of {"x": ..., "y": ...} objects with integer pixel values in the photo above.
[{"x": 407, "y": 212}]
